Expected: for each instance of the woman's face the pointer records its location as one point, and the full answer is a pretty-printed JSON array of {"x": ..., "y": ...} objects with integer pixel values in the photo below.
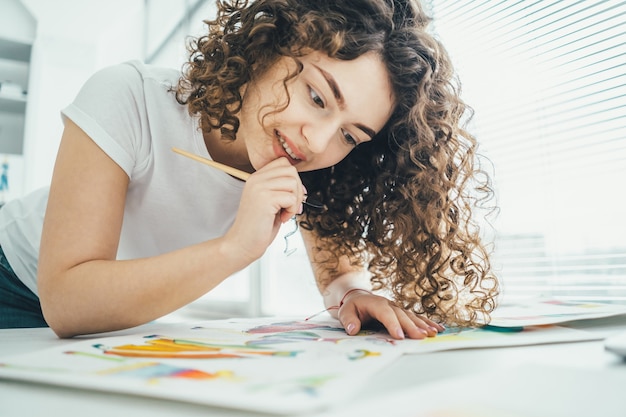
[{"x": 333, "y": 106}]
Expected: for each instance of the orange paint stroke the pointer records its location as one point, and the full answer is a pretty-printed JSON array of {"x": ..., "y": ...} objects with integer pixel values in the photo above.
[{"x": 173, "y": 348}]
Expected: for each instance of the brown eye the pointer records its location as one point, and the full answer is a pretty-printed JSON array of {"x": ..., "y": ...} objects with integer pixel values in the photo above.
[
  {"x": 316, "y": 99},
  {"x": 349, "y": 138}
]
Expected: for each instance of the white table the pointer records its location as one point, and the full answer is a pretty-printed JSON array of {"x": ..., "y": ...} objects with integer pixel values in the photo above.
[{"x": 418, "y": 371}]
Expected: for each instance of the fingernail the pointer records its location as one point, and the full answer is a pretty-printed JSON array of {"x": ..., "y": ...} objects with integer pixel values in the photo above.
[
  {"x": 350, "y": 328},
  {"x": 400, "y": 334}
]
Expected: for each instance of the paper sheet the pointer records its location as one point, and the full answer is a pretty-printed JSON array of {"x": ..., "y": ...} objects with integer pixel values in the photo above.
[
  {"x": 551, "y": 311},
  {"x": 272, "y": 365},
  {"x": 266, "y": 365}
]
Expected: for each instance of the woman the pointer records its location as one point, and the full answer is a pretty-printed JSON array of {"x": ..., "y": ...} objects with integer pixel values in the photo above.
[{"x": 349, "y": 103}]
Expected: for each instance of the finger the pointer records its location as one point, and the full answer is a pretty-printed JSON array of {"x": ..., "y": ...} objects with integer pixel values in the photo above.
[
  {"x": 348, "y": 316},
  {"x": 285, "y": 215},
  {"x": 286, "y": 205},
  {"x": 277, "y": 168},
  {"x": 424, "y": 322},
  {"x": 389, "y": 319},
  {"x": 304, "y": 192},
  {"x": 413, "y": 326},
  {"x": 438, "y": 327},
  {"x": 352, "y": 318},
  {"x": 286, "y": 180},
  {"x": 280, "y": 197}
]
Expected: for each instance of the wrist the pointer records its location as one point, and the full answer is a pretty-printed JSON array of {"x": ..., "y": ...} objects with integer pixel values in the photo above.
[
  {"x": 333, "y": 309},
  {"x": 345, "y": 285},
  {"x": 350, "y": 292},
  {"x": 231, "y": 256}
]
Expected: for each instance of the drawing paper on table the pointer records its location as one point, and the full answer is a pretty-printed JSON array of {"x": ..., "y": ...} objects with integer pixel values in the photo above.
[
  {"x": 492, "y": 336},
  {"x": 551, "y": 311},
  {"x": 280, "y": 366}
]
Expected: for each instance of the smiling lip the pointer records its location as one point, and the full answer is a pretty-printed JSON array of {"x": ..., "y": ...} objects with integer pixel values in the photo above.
[{"x": 283, "y": 141}]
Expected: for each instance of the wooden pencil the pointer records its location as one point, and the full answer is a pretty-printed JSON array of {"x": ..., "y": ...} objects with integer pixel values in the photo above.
[{"x": 237, "y": 173}]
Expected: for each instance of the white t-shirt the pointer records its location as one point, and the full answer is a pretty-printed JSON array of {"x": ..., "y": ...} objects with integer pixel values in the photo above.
[{"x": 130, "y": 111}]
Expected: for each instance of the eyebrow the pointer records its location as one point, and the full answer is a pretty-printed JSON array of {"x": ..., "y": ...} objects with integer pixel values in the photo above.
[{"x": 339, "y": 97}]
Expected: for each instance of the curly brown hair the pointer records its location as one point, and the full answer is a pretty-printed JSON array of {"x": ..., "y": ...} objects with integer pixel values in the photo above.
[{"x": 401, "y": 204}]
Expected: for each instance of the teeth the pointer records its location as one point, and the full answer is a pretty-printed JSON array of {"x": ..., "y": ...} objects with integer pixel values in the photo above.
[{"x": 287, "y": 148}]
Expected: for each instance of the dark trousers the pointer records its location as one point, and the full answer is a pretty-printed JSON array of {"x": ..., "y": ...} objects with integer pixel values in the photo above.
[{"x": 19, "y": 306}]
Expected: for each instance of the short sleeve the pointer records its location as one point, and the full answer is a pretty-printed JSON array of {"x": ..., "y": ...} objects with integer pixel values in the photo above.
[{"x": 110, "y": 108}]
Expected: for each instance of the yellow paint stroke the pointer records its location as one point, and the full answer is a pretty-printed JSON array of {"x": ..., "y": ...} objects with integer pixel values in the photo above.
[
  {"x": 362, "y": 354},
  {"x": 163, "y": 347}
]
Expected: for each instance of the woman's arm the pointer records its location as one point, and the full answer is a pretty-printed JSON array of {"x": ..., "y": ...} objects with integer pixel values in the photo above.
[
  {"x": 83, "y": 289},
  {"x": 348, "y": 297}
]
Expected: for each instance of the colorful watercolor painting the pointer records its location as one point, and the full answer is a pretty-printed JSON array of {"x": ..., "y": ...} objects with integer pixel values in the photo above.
[{"x": 279, "y": 366}]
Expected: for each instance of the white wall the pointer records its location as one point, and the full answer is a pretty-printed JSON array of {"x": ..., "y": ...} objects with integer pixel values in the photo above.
[
  {"x": 169, "y": 24},
  {"x": 74, "y": 38},
  {"x": 15, "y": 22}
]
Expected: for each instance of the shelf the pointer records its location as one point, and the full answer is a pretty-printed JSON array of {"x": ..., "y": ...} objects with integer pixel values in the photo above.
[
  {"x": 13, "y": 50},
  {"x": 12, "y": 104},
  {"x": 14, "y": 68}
]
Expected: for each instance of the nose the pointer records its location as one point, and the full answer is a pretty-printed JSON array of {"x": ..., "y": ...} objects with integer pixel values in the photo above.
[{"x": 319, "y": 134}]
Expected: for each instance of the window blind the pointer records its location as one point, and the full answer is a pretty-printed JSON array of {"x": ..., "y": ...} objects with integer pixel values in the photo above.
[{"x": 547, "y": 81}]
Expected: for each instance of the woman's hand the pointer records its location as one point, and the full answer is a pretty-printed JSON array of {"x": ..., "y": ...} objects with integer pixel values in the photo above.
[
  {"x": 345, "y": 289},
  {"x": 272, "y": 195},
  {"x": 360, "y": 307}
]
